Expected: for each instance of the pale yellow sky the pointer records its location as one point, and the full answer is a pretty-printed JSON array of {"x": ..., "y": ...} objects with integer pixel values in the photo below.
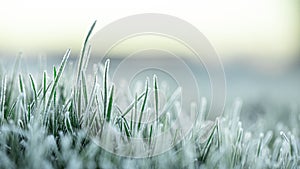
[{"x": 260, "y": 28}]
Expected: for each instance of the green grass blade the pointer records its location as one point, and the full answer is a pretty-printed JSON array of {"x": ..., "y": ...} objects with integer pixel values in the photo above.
[
  {"x": 132, "y": 104},
  {"x": 81, "y": 59},
  {"x": 60, "y": 71},
  {"x": 88, "y": 54},
  {"x": 208, "y": 145},
  {"x": 79, "y": 103},
  {"x": 21, "y": 84},
  {"x": 131, "y": 116},
  {"x": 105, "y": 83},
  {"x": 10, "y": 111},
  {"x": 143, "y": 105},
  {"x": 54, "y": 77},
  {"x": 134, "y": 127},
  {"x": 110, "y": 104},
  {"x": 155, "y": 95},
  {"x": 44, "y": 89},
  {"x": 150, "y": 134},
  {"x": 68, "y": 124},
  {"x": 84, "y": 88},
  {"x": 33, "y": 89},
  {"x": 91, "y": 100},
  {"x": 126, "y": 126}
]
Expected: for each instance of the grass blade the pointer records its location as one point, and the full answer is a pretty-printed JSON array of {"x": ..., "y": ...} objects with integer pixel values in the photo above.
[
  {"x": 33, "y": 89},
  {"x": 54, "y": 77},
  {"x": 2, "y": 99},
  {"x": 60, "y": 71},
  {"x": 21, "y": 84},
  {"x": 143, "y": 105},
  {"x": 44, "y": 89},
  {"x": 110, "y": 104},
  {"x": 155, "y": 95},
  {"x": 106, "y": 68},
  {"x": 84, "y": 88},
  {"x": 88, "y": 54},
  {"x": 91, "y": 100},
  {"x": 134, "y": 127},
  {"x": 150, "y": 134},
  {"x": 67, "y": 122},
  {"x": 132, "y": 104},
  {"x": 127, "y": 132},
  {"x": 79, "y": 102},
  {"x": 126, "y": 126},
  {"x": 81, "y": 59}
]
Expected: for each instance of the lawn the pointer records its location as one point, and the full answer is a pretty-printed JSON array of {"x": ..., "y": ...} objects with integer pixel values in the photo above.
[{"x": 51, "y": 121}]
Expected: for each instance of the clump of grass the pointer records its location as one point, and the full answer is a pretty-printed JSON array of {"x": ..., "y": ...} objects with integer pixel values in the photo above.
[{"x": 47, "y": 123}]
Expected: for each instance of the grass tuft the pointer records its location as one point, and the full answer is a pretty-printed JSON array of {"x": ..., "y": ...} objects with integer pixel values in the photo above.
[{"x": 50, "y": 123}]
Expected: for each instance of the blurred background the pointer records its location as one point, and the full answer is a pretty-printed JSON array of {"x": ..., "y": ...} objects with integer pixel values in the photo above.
[{"x": 258, "y": 41}]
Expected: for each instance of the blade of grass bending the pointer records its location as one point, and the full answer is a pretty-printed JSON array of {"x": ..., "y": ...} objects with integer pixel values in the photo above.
[
  {"x": 143, "y": 105},
  {"x": 91, "y": 100},
  {"x": 208, "y": 145},
  {"x": 61, "y": 69},
  {"x": 90, "y": 125},
  {"x": 66, "y": 106},
  {"x": 126, "y": 126},
  {"x": 43, "y": 91},
  {"x": 110, "y": 104},
  {"x": 120, "y": 113},
  {"x": 88, "y": 54},
  {"x": 33, "y": 89},
  {"x": 81, "y": 59},
  {"x": 132, "y": 105},
  {"x": 45, "y": 87},
  {"x": 106, "y": 68}
]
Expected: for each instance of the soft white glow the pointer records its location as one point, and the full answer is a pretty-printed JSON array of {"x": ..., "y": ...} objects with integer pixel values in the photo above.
[{"x": 262, "y": 28}]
